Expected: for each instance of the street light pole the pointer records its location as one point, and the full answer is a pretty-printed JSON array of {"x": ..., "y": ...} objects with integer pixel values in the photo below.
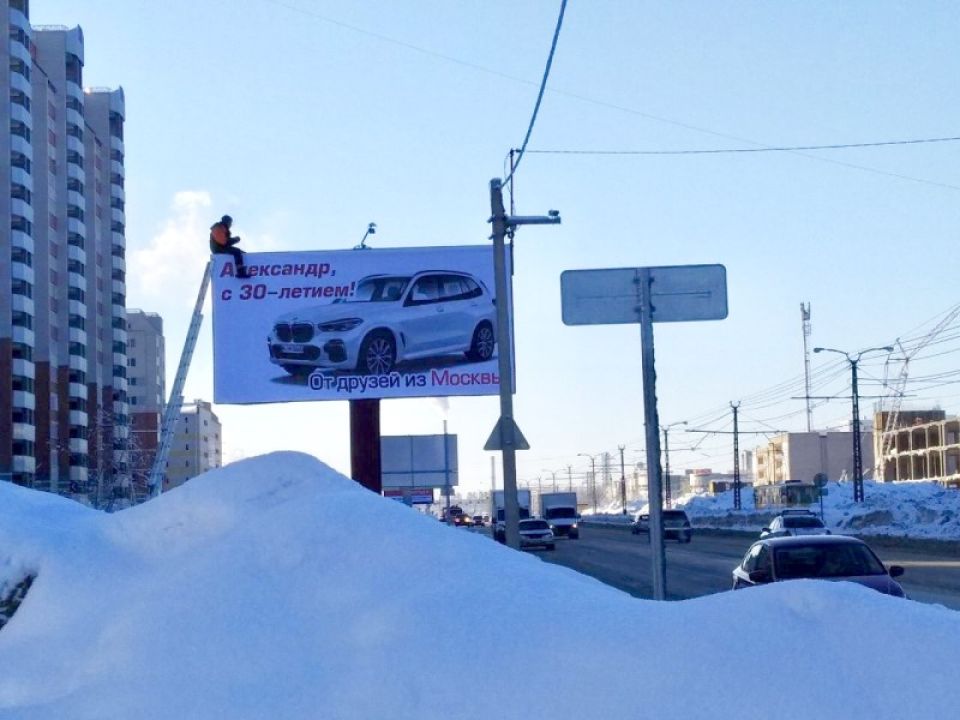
[
  {"x": 593, "y": 478},
  {"x": 854, "y": 361},
  {"x": 666, "y": 454}
]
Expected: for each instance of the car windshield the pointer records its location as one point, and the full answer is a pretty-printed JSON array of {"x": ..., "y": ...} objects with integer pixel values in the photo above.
[
  {"x": 534, "y": 525},
  {"x": 674, "y": 515},
  {"x": 802, "y": 522},
  {"x": 379, "y": 289},
  {"x": 825, "y": 560},
  {"x": 560, "y": 512}
]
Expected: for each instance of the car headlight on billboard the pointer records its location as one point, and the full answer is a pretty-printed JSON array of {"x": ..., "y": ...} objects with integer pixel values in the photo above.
[{"x": 339, "y": 325}]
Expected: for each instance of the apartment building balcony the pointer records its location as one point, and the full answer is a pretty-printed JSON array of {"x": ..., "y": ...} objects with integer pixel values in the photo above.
[
  {"x": 75, "y": 362},
  {"x": 75, "y": 307},
  {"x": 119, "y": 286},
  {"x": 23, "y": 464},
  {"x": 22, "y": 271},
  {"x": 21, "y": 208},
  {"x": 78, "y": 418},
  {"x": 19, "y": 82},
  {"x": 77, "y": 390},
  {"x": 78, "y": 445},
  {"x": 24, "y": 368},
  {"x": 76, "y": 280},
  {"x": 24, "y": 431},
  {"x": 76, "y": 335},
  {"x": 20, "y": 176},
  {"x": 23, "y": 335},
  {"x": 79, "y": 473},
  {"x": 76, "y": 225},
  {"x": 117, "y": 215},
  {"x": 76, "y": 172},
  {"x": 19, "y": 113},
  {"x": 118, "y": 263},
  {"x": 23, "y": 399},
  {"x": 74, "y": 117},
  {"x": 117, "y": 192},
  {"x": 77, "y": 253}
]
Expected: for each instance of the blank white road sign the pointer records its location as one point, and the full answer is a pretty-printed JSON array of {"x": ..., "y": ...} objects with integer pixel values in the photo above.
[{"x": 613, "y": 296}]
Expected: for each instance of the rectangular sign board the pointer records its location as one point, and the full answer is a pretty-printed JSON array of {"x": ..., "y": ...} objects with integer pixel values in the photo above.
[
  {"x": 612, "y": 296},
  {"x": 408, "y": 461},
  {"x": 351, "y": 324},
  {"x": 413, "y": 496}
]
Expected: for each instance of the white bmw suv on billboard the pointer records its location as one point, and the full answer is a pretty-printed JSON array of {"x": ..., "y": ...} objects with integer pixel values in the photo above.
[{"x": 389, "y": 319}]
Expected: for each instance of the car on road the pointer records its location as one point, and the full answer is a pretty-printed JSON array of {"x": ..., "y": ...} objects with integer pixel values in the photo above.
[
  {"x": 536, "y": 533},
  {"x": 816, "y": 557},
  {"x": 676, "y": 525},
  {"x": 794, "y": 523},
  {"x": 478, "y": 521},
  {"x": 387, "y": 320},
  {"x": 462, "y": 519}
]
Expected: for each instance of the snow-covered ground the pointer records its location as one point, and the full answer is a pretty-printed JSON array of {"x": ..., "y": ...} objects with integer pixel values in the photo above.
[
  {"x": 909, "y": 509},
  {"x": 277, "y": 589}
]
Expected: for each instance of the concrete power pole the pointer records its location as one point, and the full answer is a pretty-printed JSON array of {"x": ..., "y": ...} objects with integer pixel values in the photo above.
[{"x": 805, "y": 318}]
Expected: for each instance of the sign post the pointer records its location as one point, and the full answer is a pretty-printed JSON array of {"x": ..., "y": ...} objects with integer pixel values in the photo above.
[{"x": 647, "y": 295}]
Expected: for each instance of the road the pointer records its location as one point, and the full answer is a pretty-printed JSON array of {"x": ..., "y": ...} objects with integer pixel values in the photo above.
[{"x": 702, "y": 567}]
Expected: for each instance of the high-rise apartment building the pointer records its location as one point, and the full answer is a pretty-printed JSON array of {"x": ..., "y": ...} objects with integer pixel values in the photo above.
[
  {"x": 197, "y": 444},
  {"x": 64, "y": 421},
  {"x": 146, "y": 371}
]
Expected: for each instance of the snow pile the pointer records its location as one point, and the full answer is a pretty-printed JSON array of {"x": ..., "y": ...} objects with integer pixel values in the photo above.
[
  {"x": 276, "y": 588},
  {"x": 909, "y": 509}
]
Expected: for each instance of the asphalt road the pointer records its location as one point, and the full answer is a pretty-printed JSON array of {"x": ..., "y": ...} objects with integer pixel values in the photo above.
[{"x": 614, "y": 556}]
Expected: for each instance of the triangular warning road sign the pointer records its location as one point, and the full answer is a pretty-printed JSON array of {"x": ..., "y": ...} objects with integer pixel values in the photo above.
[{"x": 506, "y": 434}]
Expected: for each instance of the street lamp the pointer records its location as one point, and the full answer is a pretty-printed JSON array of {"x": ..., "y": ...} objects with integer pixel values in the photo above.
[
  {"x": 593, "y": 478},
  {"x": 666, "y": 453},
  {"x": 554, "y": 474},
  {"x": 854, "y": 361}
]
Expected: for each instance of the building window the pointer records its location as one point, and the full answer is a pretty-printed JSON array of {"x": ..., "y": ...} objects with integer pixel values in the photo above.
[
  {"x": 21, "y": 287},
  {"x": 133, "y": 381}
]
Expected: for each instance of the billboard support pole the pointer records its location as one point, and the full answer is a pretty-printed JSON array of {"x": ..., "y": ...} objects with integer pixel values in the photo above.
[
  {"x": 652, "y": 422},
  {"x": 365, "y": 443}
]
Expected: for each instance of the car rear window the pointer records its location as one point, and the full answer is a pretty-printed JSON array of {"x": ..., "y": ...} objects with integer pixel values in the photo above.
[
  {"x": 824, "y": 560},
  {"x": 674, "y": 515},
  {"x": 802, "y": 522}
]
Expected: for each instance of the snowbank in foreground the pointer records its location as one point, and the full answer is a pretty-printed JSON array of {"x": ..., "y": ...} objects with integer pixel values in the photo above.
[
  {"x": 276, "y": 588},
  {"x": 915, "y": 509}
]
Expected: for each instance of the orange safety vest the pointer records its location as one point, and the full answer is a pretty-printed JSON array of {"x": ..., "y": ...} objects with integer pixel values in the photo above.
[{"x": 220, "y": 234}]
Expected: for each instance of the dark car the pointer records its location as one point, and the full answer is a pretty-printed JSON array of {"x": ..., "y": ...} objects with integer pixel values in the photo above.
[
  {"x": 817, "y": 557},
  {"x": 676, "y": 525}
]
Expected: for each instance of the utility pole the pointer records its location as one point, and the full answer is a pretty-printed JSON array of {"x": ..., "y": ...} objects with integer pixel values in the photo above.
[
  {"x": 737, "y": 505},
  {"x": 593, "y": 478},
  {"x": 667, "y": 500},
  {"x": 569, "y": 478},
  {"x": 506, "y": 436},
  {"x": 854, "y": 361},
  {"x": 805, "y": 319},
  {"x": 623, "y": 479}
]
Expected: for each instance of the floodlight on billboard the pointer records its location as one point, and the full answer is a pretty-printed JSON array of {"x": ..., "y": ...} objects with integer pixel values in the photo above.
[{"x": 347, "y": 325}]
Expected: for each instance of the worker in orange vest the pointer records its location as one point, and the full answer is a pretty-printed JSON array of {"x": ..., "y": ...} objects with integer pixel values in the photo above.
[{"x": 223, "y": 243}]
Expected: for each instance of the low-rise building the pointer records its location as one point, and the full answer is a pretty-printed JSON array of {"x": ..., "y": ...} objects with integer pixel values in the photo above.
[{"x": 804, "y": 455}]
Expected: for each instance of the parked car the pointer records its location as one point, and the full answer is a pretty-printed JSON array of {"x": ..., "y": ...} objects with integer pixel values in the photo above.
[
  {"x": 478, "y": 521},
  {"x": 676, "y": 525},
  {"x": 790, "y": 523},
  {"x": 389, "y": 319},
  {"x": 825, "y": 557},
  {"x": 536, "y": 533}
]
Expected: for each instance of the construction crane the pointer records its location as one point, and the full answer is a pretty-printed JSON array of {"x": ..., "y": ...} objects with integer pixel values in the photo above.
[{"x": 900, "y": 384}]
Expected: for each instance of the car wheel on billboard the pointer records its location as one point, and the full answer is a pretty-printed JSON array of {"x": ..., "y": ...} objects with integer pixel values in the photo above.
[
  {"x": 482, "y": 344},
  {"x": 378, "y": 354},
  {"x": 297, "y": 370}
]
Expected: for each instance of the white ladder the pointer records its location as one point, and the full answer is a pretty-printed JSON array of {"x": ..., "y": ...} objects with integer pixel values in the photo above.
[{"x": 171, "y": 413}]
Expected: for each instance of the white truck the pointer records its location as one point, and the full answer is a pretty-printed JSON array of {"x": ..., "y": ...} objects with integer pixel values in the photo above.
[
  {"x": 560, "y": 510},
  {"x": 497, "y": 514}
]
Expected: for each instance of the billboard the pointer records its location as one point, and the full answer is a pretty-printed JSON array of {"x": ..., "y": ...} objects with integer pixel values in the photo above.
[
  {"x": 353, "y": 324},
  {"x": 408, "y": 461}
]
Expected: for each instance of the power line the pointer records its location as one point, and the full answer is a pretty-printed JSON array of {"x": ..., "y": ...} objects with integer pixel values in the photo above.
[
  {"x": 543, "y": 86},
  {"x": 727, "y": 151}
]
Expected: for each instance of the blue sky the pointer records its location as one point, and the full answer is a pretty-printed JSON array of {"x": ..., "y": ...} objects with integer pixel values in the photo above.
[{"x": 306, "y": 120}]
